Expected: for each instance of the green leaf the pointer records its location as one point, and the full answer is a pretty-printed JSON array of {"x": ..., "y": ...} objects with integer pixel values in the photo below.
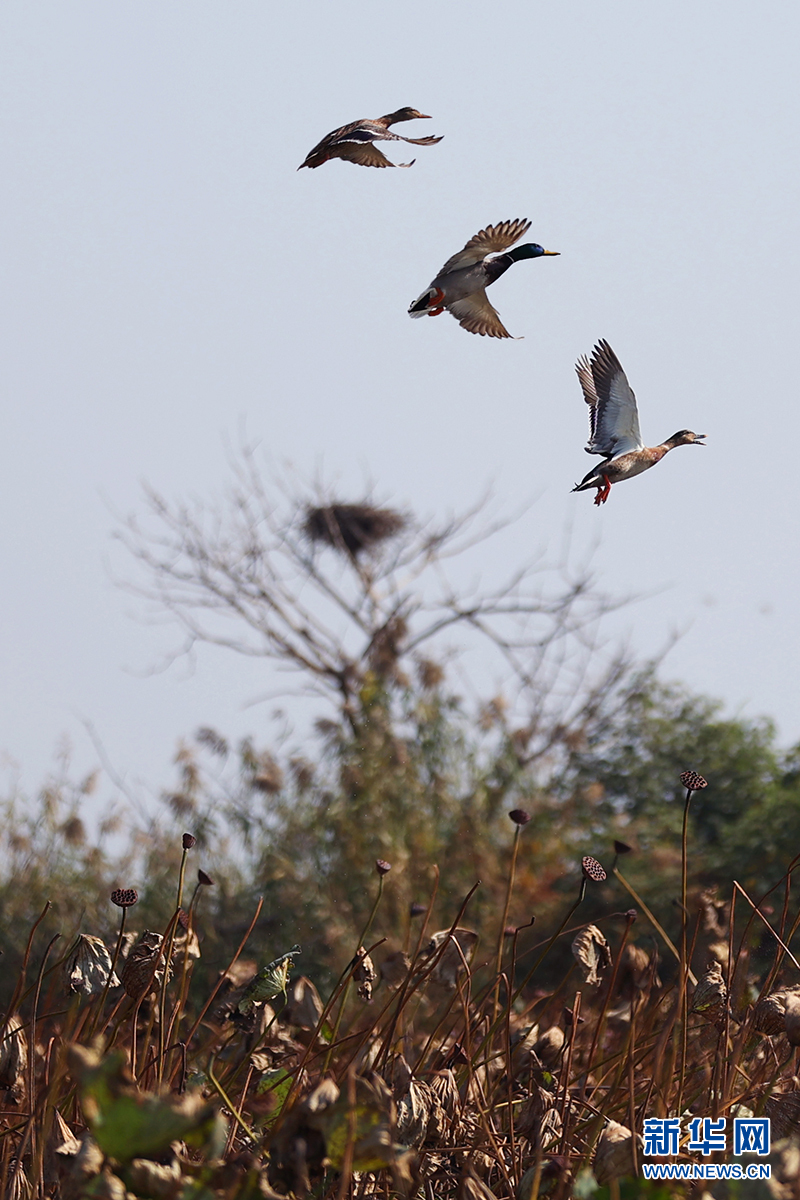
[
  {"x": 367, "y": 1125},
  {"x": 279, "y": 1083},
  {"x": 127, "y": 1123},
  {"x": 372, "y": 1143},
  {"x": 269, "y": 982}
]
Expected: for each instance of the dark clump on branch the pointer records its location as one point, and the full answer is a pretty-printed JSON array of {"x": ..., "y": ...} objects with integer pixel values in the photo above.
[{"x": 352, "y": 527}]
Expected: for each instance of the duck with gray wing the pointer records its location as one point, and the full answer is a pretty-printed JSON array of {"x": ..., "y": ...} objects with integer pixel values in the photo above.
[{"x": 614, "y": 425}]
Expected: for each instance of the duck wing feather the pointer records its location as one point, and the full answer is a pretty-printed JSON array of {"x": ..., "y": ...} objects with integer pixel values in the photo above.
[
  {"x": 356, "y": 131},
  {"x": 476, "y": 314},
  {"x": 613, "y": 415},
  {"x": 423, "y": 141},
  {"x": 366, "y": 155},
  {"x": 491, "y": 240}
]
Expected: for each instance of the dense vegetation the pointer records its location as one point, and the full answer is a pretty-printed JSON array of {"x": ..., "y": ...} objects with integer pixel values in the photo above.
[{"x": 406, "y": 1058}]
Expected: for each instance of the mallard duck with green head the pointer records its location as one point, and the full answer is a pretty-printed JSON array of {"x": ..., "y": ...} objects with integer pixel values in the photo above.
[
  {"x": 614, "y": 425},
  {"x": 355, "y": 142},
  {"x": 460, "y": 287}
]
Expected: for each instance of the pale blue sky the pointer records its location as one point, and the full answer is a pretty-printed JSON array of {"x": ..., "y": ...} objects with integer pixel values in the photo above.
[{"x": 170, "y": 279}]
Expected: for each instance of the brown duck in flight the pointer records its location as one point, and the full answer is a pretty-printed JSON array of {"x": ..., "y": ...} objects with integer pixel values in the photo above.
[
  {"x": 614, "y": 425},
  {"x": 356, "y": 142}
]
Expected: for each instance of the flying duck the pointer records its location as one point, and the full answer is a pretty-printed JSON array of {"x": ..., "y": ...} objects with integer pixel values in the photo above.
[
  {"x": 355, "y": 142},
  {"x": 614, "y": 425},
  {"x": 460, "y": 287}
]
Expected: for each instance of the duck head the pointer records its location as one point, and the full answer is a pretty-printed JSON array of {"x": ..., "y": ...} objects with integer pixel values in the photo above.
[
  {"x": 685, "y": 437},
  {"x": 406, "y": 114},
  {"x": 530, "y": 250}
]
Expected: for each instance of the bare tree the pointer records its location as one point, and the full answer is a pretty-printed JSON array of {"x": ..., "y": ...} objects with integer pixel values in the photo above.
[{"x": 337, "y": 593}]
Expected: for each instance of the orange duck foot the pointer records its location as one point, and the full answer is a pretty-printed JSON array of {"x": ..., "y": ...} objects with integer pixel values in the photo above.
[
  {"x": 436, "y": 300},
  {"x": 603, "y": 492}
]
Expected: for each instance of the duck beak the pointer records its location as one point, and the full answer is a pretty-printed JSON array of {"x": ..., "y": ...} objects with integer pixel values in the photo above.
[
  {"x": 553, "y": 253},
  {"x": 423, "y": 117},
  {"x": 697, "y": 441}
]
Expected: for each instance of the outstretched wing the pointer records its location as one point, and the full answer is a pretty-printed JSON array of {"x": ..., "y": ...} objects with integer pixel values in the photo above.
[
  {"x": 584, "y": 369},
  {"x": 366, "y": 155},
  {"x": 477, "y": 315},
  {"x": 337, "y": 143},
  {"x": 613, "y": 415},
  {"x": 491, "y": 240},
  {"x": 423, "y": 141}
]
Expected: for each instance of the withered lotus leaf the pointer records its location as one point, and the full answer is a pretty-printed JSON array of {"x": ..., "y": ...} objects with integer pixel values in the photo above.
[
  {"x": 144, "y": 966},
  {"x": 613, "y": 1158},
  {"x": 414, "y": 1112},
  {"x": 470, "y": 1187},
  {"x": 365, "y": 976},
  {"x": 592, "y": 953},
  {"x": 451, "y": 950},
  {"x": 87, "y": 967},
  {"x": 711, "y": 994},
  {"x": 13, "y": 1057},
  {"x": 549, "y": 1045},
  {"x": 303, "y": 1003},
  {"x": 792, "y": 1019}
]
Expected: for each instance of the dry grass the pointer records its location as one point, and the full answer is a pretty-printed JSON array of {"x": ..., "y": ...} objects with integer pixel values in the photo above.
[{"x": 441, "y": 1067}]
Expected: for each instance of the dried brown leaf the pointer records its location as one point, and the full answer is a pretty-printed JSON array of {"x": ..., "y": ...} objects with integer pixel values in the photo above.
[
  {"x": 13, "y": 1058},
  {"x": 303, "y": 1003},
  {"x": 522, "y": 1044},
  {"x": 720, "y": 952},
  {"x": 394, "y": 968},
  {"x": 88, "y": 1161},
  {"x": 792, "y": 1019},
  {"x": 399, "y": 1075},
  {"x": 445, "y": 1088},
  {"x": 452, "y": 950},
  {"x": 414, "y": 1112},
  {"x": 613, "y": 1158},
  {"x": 137, "y": 974},
  {"x": 186, "y": 943},
  {"x": 65, "y": 1143},
  {"x": 548, "y": 1047},
  {"x": 552, "y": 1177},
  {"x": 711, "y": 994},
  {"x": 784, "y": 1112},
  {"x": 365, "y": 976},
  {"x": 86, "y": 969},
  {"x": 713, "y": 910},
  {"x": 539, "y": 1120},
  {"x": 18, "y": 1185},
  {"x": 240, "y": 974},
  {"x": 592, "y": 953},
  {"x": 157, "y": 1180},
  {"x": 470, "y": 1187},
  {"x": 770, "y": 1012},
  {"x": 637, "y": 972}
]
